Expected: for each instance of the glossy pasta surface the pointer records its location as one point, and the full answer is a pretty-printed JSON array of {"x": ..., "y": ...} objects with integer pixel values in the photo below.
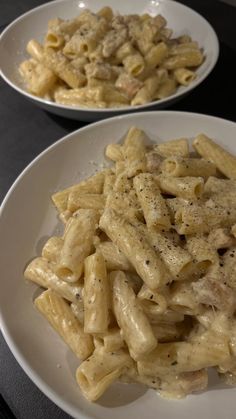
[{"x": 142, "y": 284}]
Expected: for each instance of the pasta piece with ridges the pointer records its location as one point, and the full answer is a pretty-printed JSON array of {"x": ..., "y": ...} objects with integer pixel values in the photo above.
[
  {"x": 42, "y": 272},
  {"x": 93, "y": 184},
  {"x": 86, "y": 201},
  {"x": 61, "y": 318},
  {"x": 202, "y": 250},
  {"x": 96, "y": 294},
  {"x": 179, "y": 166},
  {"x": 178, "y": 261},
  {"x": 100, "y": 370},
  {"x": 52, "y": 248},
  {"x": 136, "y": 248},
  {"x": 177, "y": 147},
  {"x": 224, "y": 161},
  {"x": 153, "y": 204},
  {"x": 111, "y": 341},
  {"x": 130, "y": 317},
  {"x": 114, "y": 258},
  {"x": 187, "y": 187},
  {"x": 77, "y": 245}
]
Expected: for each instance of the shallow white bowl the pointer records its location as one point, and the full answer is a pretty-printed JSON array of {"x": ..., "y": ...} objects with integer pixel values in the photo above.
[
  {"x": 33, "y": 24},
  {"x": 28, "y": 218}
]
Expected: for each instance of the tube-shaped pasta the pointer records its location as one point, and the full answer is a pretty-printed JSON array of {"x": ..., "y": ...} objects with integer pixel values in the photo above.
[
  {"x": 134, "y": 281},
  {"x": 156, "y": 55},
  {"x": 81, "y": 96},
  {"x": 106, "y": 12},
  {"x": 153, "y": 204},
  {"x": 177, "y": 166},
  {"x": 87, "y": 201},
  {"x": 128, "y": 84},
  {"x": 178, "y": 261},
  {"x": 78, "y": 310},
  {"x": 61, "y": 318},
  {"x": 35, "y": 49},
  {"x": 124, "y": 203},
  {"x": 183, "y": 299},
  {"x": 109, "y": 183},
  {"x": 62, "y": 67},
  {"x": 183, "y": 47},
  {"x": 99, "y": 371},
  {"x": 169, "y": 332},
  {"x": 215, "y": 186},
  {"x": 130, "y": 317},
  {"x": 114, "y": 95},
  {"x": 155, "y": 300},
  {"x": 192, "y": 218},
  {"x": 112, "y": 340},
  {"x": 142, "y": 96},
  {"x": 64, "y": 216},
  {"x": 123, "y": 183},
  {"x": 113, "y": 40},
  {"x": 52, "y": 248},
  {"x": 93, "y": 184},
  {"x": 78, "y": 244},
  {"x": 184, "y": 187},
  {"x": 40, "y": 80},
  {"x": 152, "y": 83},
  {"x": 153, "y": 160},
  {"x": 177, "y": 357},
  {"x": 54, "y": 39},
  {"x": 178, "y": 147},
  {"x": 184, "y": 76},
  {"x": 134, "y": 64},
  {"x": 42, "y": 273},
  {"x": 136, "y": 248},
  {"x": 191, "y": 58},
  {"x": 66, "y": 27},
  {"x": 161, "y": 361},
  {"x": 114, "y": 258},
  {"x": 85, "y": 40},
  {"x": 220, "y": 238},
  {"x": 96, "y": 294},
  {"x": 202, "y": 250},
  {"x": 224, "y": 161},
  {"x": 166, "y": 88},
  {"x": 169, "y": 316},
  {"x": 209, "y": 350},
  {"x": 124, "y": 51},
  {"x": 114, "y": 152},
  {"x": 135, "y": 151}
]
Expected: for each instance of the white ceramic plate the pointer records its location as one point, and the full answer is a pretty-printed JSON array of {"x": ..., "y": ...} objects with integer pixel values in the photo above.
[
  {"x": 33, "y": 24},
  {"x": 28, "y": 218}
]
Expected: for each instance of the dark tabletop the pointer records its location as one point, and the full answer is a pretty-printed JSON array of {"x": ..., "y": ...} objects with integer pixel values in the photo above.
[{"x": 26, "y": 130}]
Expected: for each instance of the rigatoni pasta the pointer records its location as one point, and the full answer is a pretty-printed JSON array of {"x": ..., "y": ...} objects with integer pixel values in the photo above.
[
  {"x": 106, "y": 60},
  {"x": 141, "y": 285}
]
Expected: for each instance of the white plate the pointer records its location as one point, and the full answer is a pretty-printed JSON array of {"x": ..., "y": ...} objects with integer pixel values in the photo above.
[
  {"x": 34, "y": 23},
  {"x": 28, "y": 219}
]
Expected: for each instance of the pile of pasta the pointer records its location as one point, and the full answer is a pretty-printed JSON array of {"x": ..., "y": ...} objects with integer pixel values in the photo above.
[
  {"x": 104, "y": 60},
  {"x": 142, "y": 284}
]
